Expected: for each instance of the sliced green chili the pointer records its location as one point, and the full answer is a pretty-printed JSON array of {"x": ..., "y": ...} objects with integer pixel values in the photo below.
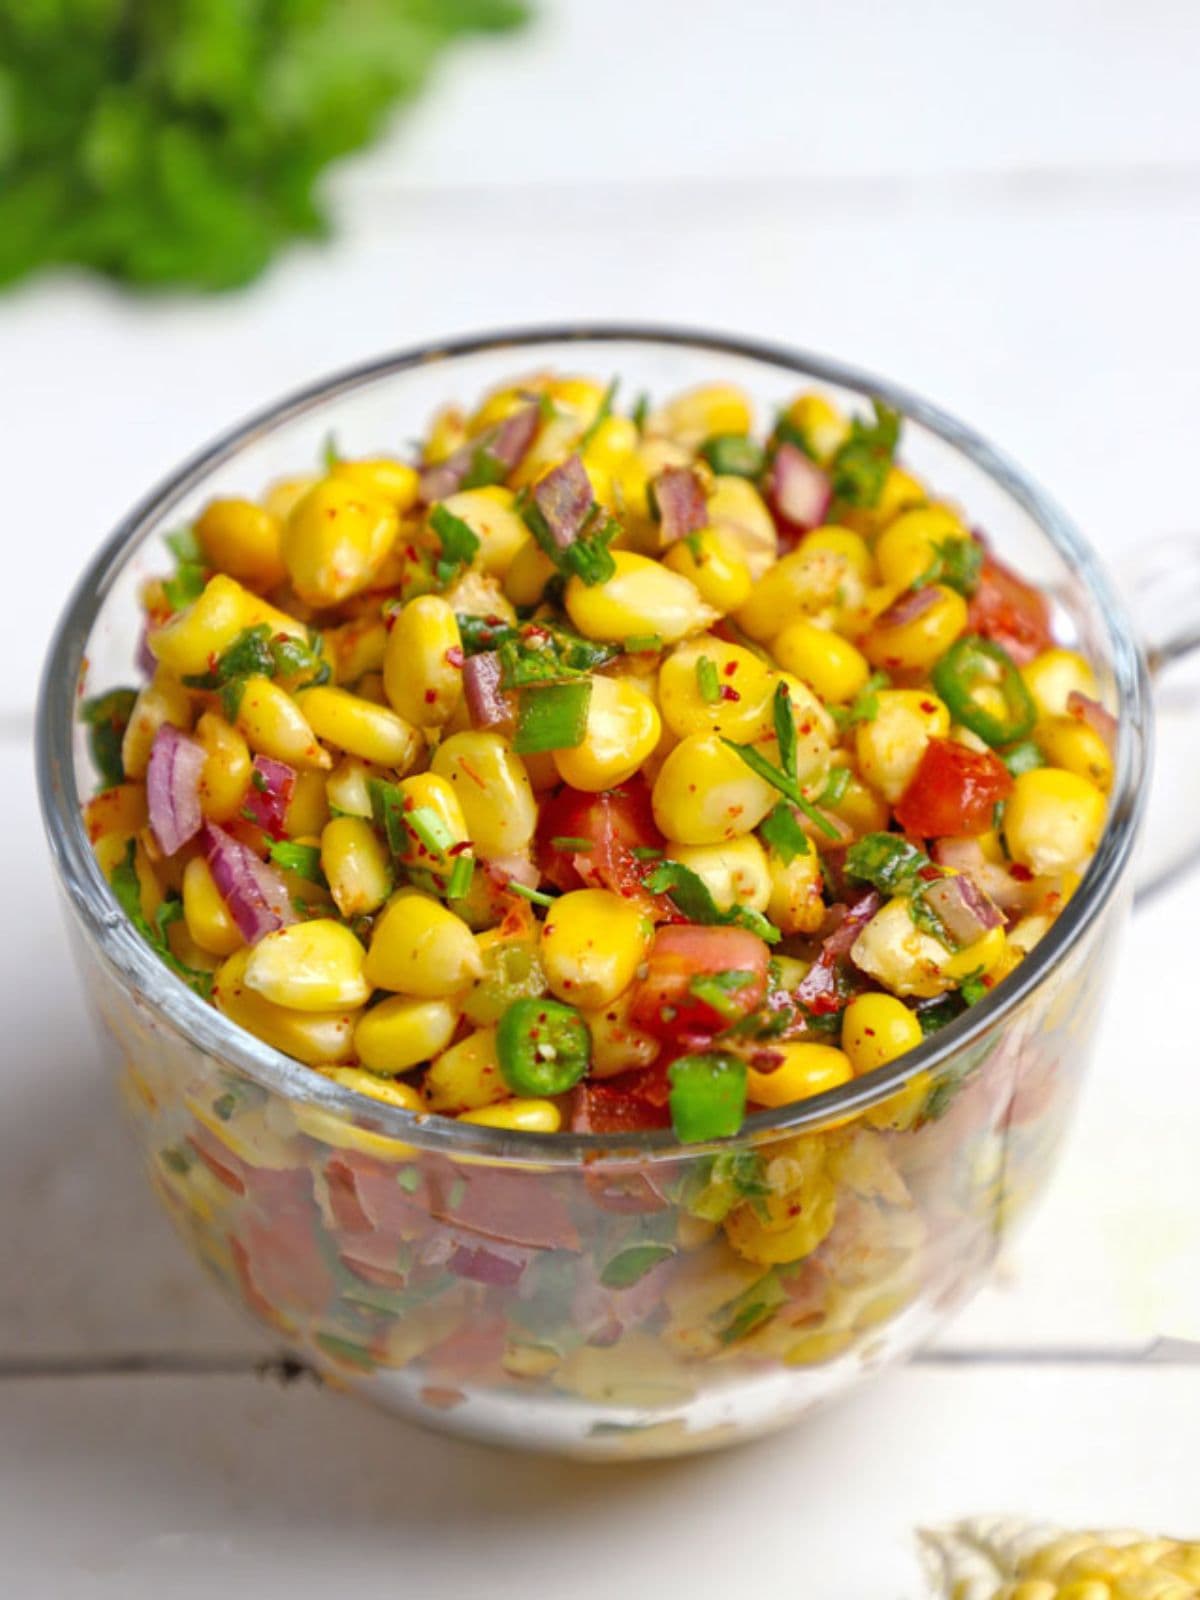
[
  {"x": 543, "y": 1047},
  {"x": 553, "y": 717},
  {"x": 708, "y": 1096},
  {"x": 973, "y": 664}
]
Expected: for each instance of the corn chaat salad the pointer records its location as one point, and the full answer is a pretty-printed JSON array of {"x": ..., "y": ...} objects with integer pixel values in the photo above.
[{"x": 596, "y": 770}]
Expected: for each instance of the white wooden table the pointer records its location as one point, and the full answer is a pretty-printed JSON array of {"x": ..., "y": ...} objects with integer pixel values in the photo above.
[{"x": 999, "y": 205}]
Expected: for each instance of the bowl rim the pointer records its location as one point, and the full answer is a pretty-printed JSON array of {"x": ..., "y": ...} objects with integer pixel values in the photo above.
[{"x": 139, "y": 968}]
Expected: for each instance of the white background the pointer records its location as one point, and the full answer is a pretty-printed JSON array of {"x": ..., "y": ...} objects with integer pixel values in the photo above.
[{"x": 998, "y": 205}]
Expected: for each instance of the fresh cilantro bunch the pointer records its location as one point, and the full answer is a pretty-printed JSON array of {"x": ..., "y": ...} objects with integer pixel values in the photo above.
[{"x": 179, "y": 142}]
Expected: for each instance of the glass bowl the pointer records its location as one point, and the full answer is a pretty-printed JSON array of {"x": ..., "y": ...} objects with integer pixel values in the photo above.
[{"x": 601, "y": 1296}]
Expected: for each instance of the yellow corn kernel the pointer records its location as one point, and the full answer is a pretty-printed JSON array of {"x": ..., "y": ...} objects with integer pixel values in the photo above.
[
  {"x": 592, "y": 944},
  {"x": 806, "y": 1070},
  {"x": 844, "y": 543},
  {"x": 163, "y": 699},
  {"x": 876, "y": 1028},
  {"x": 226, "y": 774},
  {"x": 192, "y": 641},
  {"x": 429, "y": 791},
  {"x": 901, "y": 492},
  {"x": 401, "y": 1095},
  {"x": 705, "y": 793},
  {"x": 1054, "y": 676},
  {"x": 242, "y": 539},
  {"x": 318, "y": 1038},
  {"x": 519, "y": 1116},
  {"x": 466, "y": 1077},
  {"x": 355, "y": 648},
  {"x": 419, "y": 947},
  {"x": 422, "y": 666},
  {"x": 491, "y": 517},
  {"x": 274, "y": 725},
  {"x": 623, "y": 728},
  {"x": 531, "y": 570},
  {"x": 907, "y": 547},
  {"x": 617, "y": 1046},
  {"x": 284, "y": 493},
  {"x": 861, "y": 809},
  {"x": 335, "y": 540},
  {"x": 447, "y": 432},
  {"x": 810, "y": 581},
  {"x": 735, "y": 872},
  {"x": 399, "y": 1034},
  {"x": 691, "y": 417},
  {"x": 893, "y": 950},
  {"x": 795, "y": 903},
  {"x": 348, "y": 786},
  {"x": 356, "y": 865},
  {"x": 612, "y": 444},
  {"x": 642, "y": 597},
  {"x": 119, "y": 812},
  {"x": 712, "y": 560},
  {"x": 204, "y": 910},
  {"x": 914, "y": 645},
  {"x": 309, "y": 966},
  {"x": 1053, "y": 820},
  {"x": 889, "y": 747},
  {"x": 736, "y": 508},
  {"x": 394, "y": 482},
  {"x": 819, "y": 422},
  {"x": 361, "y": 728},
  {"x": 829, "y": 664},
  {"x": 1075, "y": 745},
  {"x": 492, "y": 788},
  {"x": 793, "y": 1227},
  {"x": 308, "y": 809},
  {"x": 747, "y": 715}
]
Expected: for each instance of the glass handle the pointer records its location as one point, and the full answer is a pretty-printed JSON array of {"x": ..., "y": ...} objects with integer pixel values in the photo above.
[{"x": 1162, "y": 586}]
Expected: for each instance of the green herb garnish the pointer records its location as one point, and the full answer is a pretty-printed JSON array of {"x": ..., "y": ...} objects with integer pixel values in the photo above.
[
  {"x": 603, "y": 412},
  {"x": 459, "y": 542},
  {"x": 107, "y": 717},
  {"x": 707, "y": 1096},
  {"x": 694, "y": 899},
  {"x": 957, "y": 563},
  {"x": 128, "y": 890},
  {"x": 860, "y": 466},
  {"x": 719, "y": 990},
  {"x": 553, "y": 717},
  {"x": 707, "y": 681},
  {"x": 781, "y": 831},
  {"x": 302, "y": 859}
]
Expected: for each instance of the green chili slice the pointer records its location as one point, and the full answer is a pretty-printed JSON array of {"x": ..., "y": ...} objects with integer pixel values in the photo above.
[
  {"x": 733, "y": 455},
  {"x": 552, "y": 717},
  {"x": 543, "y": 1047},
  {"x": 708, "y": 1096},
  {"x": 971, "y": 665}
]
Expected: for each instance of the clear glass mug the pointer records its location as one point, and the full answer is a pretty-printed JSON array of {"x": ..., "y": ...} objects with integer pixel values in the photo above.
[{"x": 601, "y": 1296}]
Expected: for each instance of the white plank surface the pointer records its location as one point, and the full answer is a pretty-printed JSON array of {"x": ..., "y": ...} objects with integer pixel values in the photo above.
[
  {"x": 997, "y": 205},
  {"x": 195, "y": 1487}
]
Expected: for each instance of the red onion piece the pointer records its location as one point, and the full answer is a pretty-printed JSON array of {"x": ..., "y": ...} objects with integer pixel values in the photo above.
[
  {"x": 564, "y": 497},
  {"x": 269, "y": 796},
  {"x": 506, "y": 443},
  {"x": 911, "y": 604},
  {"x": 965, "y": 855},
  {"x": 682, "y": 503},
  {"x": 818, "y": 990},
  {"x": 965, "y": 911},
  {"x": 173, "y": 788},
  {"x": 255, "y": 893},
  {"x": 496, "y": 1264},
  {"x": 144, "y": 658},
  {"x": 487, "y": 703},
  {"x": 799, "y": 490},
  {"x": 1097, "y": 717}
]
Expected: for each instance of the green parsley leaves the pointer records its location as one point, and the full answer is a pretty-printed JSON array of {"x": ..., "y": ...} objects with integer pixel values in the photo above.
[
  {"x": 860, "y": 467},
  {"x": 694, "y": 899}
]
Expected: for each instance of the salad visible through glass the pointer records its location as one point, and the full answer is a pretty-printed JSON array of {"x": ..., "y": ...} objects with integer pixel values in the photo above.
[{"x": 599, "y": 768}]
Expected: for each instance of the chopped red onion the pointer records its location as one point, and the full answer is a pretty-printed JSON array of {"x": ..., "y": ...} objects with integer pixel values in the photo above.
[
  {"x": 487, "y": 704},
  {"x": 818, "y": 990},
  {"x": 506, "y": 444},
  {"x": 255, "y": 893},
  {"x": 681, "y": 501},
  {"x": 173, "y": 788},
  {"x": 911, "y": 604},
  {"x": 966, "y": 856},
  {"x": 1097, "y": 717},
  {"x": 799, "y": 490},
  {"x": 270, "y": 794},
  {"x": 964, "y": 910},
  {"x": 565, "y": 498},
  {"x": 496, "y": 1264},
  {"x": 144, "y": 659}
]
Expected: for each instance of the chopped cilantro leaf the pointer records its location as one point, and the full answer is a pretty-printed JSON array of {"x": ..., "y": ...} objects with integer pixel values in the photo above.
[
  {"x": 694, "y": 899},
  {"x": 459, "y": 542},
  {"x": 483, "y": 633},
  {"x": 128, "y": 890},
  {"x": 957, "y": 563},
  {"x": 785, "y": 730},
  {"x": 718, "y": 990},
  {"x": 107, "y": 716},
  {"x": 865, "y": 705},
  {"x": 860, "y": 467},
  {"x": 707, "y": 682},
  {"x": 781, "y": 831},
  {"x": 785, "y": 783},
  {"x": 887, "y": 862}
]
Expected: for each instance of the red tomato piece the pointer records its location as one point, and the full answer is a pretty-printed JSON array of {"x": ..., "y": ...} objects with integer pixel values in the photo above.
[
  {"x": 592, "y": 840},
  {"x": 675, "y": 997},
  {"x": 632, "y": 1102},
  {"x": 1012, "y": 612},
  {"x": 953, "y": 791}
]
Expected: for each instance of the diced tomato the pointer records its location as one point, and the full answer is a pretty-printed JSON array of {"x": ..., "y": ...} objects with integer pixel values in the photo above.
[
  {"x": 1010, "y": 611},
  {"x": 700, "y": 980},
  {"x": 591, "y": 840},
  {"x": 633, "y": 1102},
  {"x": 513, "y": 1207},
  {"x": 953, "y": 791},
  {"x": 283, "y": 1261}
]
